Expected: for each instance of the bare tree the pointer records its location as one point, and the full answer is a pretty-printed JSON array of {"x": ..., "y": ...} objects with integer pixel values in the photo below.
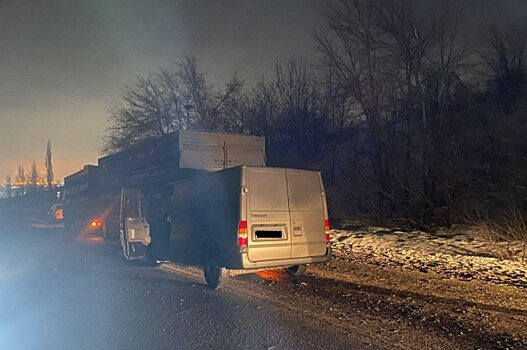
[
  {"x": 33, "y": 175},
  {"x": 504, "y": 54},
  {"x": 301, "y": 125},
  {"x": 449, "y": 56},
  {"x": 196, "y": 93},
  {"x": 21, "y": 176},
  {"x": 49, "y": 166},
  {"x": 168, "y": 100},
  {"x": 448, "y": 65},
  {"x": 410, "y": 38},
  {"x": 263, "y": 107},
  {"x": 233, "y": 111},
  {"x": 21, "y": 181},
  {"x": 207, "y": 107},
  {"x": 353, "y": 46},
  {"x": 398, "y": 64}
]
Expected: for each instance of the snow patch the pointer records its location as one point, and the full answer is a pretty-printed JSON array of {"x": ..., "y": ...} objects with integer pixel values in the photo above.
[{"x": 455, "y": 255}]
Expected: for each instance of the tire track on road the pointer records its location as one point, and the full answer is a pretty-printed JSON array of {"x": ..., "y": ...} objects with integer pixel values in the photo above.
[{"x": 247, "y": 290}]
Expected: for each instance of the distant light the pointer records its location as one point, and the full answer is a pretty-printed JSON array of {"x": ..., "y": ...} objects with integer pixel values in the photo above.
[{"x": 96, "y": 223}]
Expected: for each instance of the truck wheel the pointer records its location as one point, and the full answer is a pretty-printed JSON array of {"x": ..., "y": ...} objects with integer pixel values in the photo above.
[
  {"x": 215, "y": 275},
  {"x": 296, "y": 270}
]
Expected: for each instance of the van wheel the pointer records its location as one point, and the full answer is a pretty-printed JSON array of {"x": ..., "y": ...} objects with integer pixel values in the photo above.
[
  {"x": 296, "y": 270},
  {"x": 215, "y": 275}
]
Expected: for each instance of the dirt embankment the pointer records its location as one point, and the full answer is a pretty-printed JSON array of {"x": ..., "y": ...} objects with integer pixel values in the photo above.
[{"x": 474, "y": 313}]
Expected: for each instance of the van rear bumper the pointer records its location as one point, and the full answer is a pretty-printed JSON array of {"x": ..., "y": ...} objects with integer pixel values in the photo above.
[{"x": 247, "y": 264}]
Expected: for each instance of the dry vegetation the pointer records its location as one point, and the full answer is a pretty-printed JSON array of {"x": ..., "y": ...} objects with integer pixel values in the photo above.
[{"x": 508, "y": 239}]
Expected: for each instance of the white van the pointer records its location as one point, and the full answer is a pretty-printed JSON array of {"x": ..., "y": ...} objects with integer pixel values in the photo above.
[{"x": 245, "y": 218}]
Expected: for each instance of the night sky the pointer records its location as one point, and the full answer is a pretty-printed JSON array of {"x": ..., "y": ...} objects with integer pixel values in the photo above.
[{"x": 63, "y": 64}]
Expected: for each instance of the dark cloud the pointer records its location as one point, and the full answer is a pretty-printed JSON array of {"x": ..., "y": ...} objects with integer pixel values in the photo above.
[{"x": 64, "y": 63}]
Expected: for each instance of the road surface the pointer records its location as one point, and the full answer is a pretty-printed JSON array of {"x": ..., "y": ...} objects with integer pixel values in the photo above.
[{"x": 61, "y": 291}]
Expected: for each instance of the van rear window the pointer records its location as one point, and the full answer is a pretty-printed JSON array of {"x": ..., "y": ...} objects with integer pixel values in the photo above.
[
  {"x": 267, "y": 189},
  {"x": 305, "y": 191}
]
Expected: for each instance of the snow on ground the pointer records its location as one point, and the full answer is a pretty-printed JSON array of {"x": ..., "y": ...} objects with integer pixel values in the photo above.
[{"x": 455, "y": 254}]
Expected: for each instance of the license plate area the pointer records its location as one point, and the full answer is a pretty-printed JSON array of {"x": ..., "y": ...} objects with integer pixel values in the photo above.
[{"x": 269, "y": 233}]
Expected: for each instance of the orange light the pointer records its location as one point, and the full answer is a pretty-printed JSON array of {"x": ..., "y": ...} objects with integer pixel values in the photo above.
[
  {"x": 273, "y": 275},
  {"x": 96, "y": 223},
  {"x": 242, "y": 234},
  {"x": 326, "y": 228},
  {"x": 59, "y": 214}
]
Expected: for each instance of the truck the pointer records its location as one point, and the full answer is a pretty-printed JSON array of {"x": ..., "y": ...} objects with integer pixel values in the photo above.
[
  {"x": 203, "y": 198},
  {"x": 92, "y": 195}
]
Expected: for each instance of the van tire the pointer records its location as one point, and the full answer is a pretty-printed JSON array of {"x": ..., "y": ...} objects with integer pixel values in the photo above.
[
  {"x": 215, "y": 275},
  {"x": 296, "y": 270}
]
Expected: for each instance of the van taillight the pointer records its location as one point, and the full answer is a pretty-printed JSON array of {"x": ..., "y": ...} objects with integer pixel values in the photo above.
[
  {"x": 326, "y": 228},
  {"x": 242, "y": 234},
  {"x": 59, "y": 214}
]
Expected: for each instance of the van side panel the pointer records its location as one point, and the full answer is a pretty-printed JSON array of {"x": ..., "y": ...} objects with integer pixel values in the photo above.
[
  {"x": 205, "y": 213},
  {"x": 306, "y": 202}
]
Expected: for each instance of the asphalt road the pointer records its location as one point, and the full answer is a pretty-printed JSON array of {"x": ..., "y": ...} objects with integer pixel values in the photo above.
[{"x": 61, "y": 291}]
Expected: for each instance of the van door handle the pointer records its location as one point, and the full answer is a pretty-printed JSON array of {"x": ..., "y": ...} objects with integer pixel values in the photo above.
[{"x": 297, "y": 230}]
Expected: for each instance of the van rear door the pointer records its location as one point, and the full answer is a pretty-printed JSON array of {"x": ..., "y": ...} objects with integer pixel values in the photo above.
[
  {"x": 268, "y": 214},
  {"x": 134, "y": 229},
  {"x": 307, "y": 210}
]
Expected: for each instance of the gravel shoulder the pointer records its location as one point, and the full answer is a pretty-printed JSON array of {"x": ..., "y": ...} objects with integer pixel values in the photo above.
[
  {"x": 405, "y": 309},
  {"x": 474, "y": 314},
  {"x": 413, "y": 290}
]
